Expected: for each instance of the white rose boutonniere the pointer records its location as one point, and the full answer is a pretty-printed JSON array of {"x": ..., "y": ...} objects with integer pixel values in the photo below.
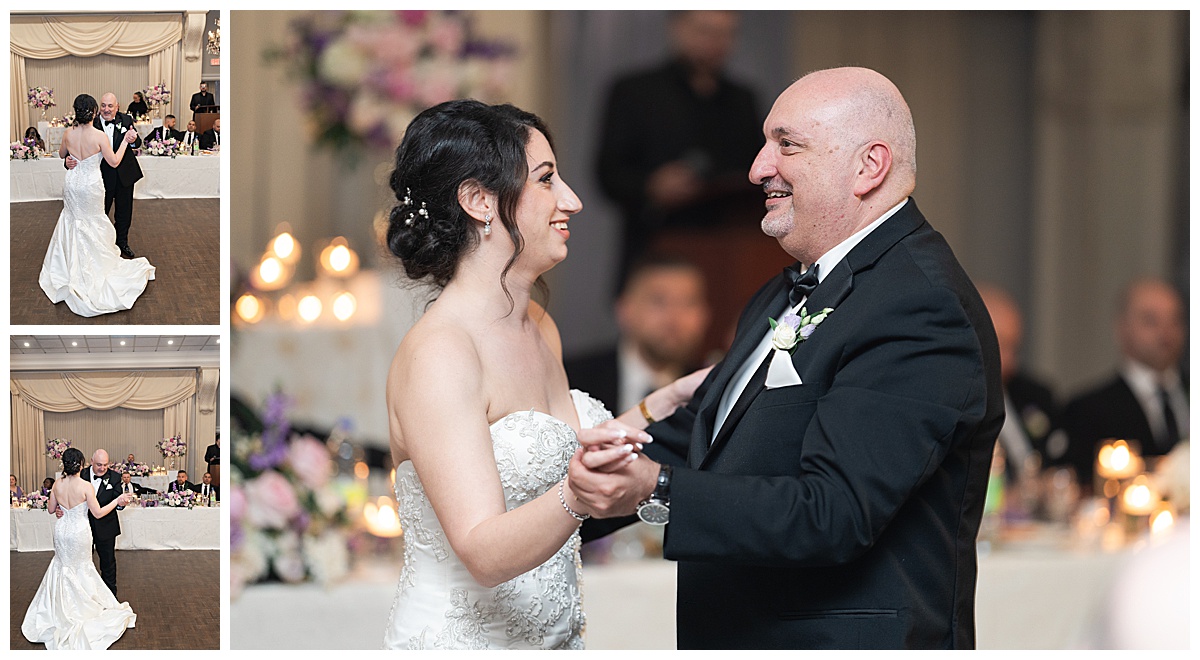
[{"x": 792, "y": 329}]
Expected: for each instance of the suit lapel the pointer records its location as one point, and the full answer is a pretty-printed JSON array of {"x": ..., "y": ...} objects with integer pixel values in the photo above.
[{"x": 829, "y": 293}]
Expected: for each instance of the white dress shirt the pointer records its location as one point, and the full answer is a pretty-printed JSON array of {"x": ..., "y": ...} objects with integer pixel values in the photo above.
[
  {"x": 825, "y": 266},
  {"x": 1145, "y": 382}
]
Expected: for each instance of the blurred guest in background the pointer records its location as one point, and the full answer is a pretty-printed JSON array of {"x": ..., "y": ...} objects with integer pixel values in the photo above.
[
  {"x": 181, "y": 483},
  {"x": 662, "y": 315},
  {"x": 47, "y": 484},
  {"x": 130, "y": 488},
  {"x": 675, "y": 146},
  {"x": 14, "y": 490},
  {"x": 32, "y": 136},
  {"x": 1031, "y": 434},
  {"x": 166, "y": 131},
  {"x": 1147, "y": 400},
  {"x": 212, "y": 137},
  {"x": 137, "y": 107}
]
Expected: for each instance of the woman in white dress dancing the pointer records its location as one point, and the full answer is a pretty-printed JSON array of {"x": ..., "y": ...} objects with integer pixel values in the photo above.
[
  {"x": 83, "y": 265},
  {"x": 482, "y": 422},
  {"x": 73, "y": 608}
]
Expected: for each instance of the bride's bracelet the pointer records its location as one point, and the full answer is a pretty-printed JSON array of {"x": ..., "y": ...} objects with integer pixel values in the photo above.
[{"x": 562, "y": 498}]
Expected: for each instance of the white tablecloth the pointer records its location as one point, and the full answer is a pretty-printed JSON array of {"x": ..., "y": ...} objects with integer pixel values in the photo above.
[
  {"x": 1031, "y": 598},
  {"x": 156, "y": 528},
  {"x": 165, "y": 178}
]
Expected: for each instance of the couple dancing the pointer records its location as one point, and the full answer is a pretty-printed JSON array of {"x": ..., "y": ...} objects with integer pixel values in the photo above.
[
  {"x": 821, "y": 487},
  {"x": 74, "y": 608},
  {"x": 88, "y": 263}
]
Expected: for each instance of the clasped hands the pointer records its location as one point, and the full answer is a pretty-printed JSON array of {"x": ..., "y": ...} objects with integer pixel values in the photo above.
[{"x": 608, "y": 475}]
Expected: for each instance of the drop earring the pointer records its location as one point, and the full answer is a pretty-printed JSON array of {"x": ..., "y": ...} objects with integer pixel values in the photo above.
[{"x": 487, "y": 225}]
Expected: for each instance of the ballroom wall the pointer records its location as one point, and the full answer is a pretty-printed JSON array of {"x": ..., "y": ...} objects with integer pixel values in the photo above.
[{"x": 1052, "y": 149}]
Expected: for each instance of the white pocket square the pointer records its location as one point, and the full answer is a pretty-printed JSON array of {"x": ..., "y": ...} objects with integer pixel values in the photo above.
[{"x": 782, "y": 372}]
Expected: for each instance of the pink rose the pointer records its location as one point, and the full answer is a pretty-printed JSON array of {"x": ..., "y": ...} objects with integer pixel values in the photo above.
[
  {"x": 237, "y": 504},
  {"x": 309, "y": 459},
  {"x": 270, "y": 501}
]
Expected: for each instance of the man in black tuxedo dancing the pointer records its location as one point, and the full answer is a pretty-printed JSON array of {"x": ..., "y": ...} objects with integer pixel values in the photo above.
[
  {"x": 119, "y": 180},
  {"x": 104, "y": 530}
]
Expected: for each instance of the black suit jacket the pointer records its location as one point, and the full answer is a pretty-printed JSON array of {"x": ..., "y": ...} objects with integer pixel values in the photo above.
[
  {"x": 1108, "y": 411},
  {"x": 212, "y": 455},
  {"x": 137, "y": 489},
  {"x": 128, "y": 172},
  {"x": 843, "y": 512},
  {"x": 108, "y": 527},
  {"x": 216, "y": 490},
  {"x": 174, "y": 486},
  {"x": 208, "y": 139},
  {"x": 162, "y": 134},
  {"x": 201, "y": 100}
]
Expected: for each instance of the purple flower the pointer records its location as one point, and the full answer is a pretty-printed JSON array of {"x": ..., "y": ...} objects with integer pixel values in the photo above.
[
  {"x": 792, "y": 320},
  {"x": 807, "y": 330}
]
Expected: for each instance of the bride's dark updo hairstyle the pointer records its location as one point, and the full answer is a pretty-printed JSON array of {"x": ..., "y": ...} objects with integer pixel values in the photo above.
[
  {"x": 444, "y": 146},
  {"x": 85, "y": 111},
  {"x": 72, "y": 461}
]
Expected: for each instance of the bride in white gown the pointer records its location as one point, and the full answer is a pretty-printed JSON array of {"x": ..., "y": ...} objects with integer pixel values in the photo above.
[
  {"x": 73, "y": 608},
  {"x": 482, "y": 423},
  {"x": 83, "y": 265}
]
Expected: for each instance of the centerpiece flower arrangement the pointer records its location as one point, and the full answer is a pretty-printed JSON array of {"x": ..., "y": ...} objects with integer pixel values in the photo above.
[
  {"x": 41, "y": 98},
  {"x": 157, "y": 96},
  {"x": 36, "y": 501},
  {"x": 178, "y": 498},
  {"x": 171, "y": 447},
  {"x": 63, "y": 121},
  {"x": 364, "y": 75},
  {"x": 23, "y": 150},
  {"x": 133, "y": 469},
  {"x": 168, "y": 147},
  {"x": 56, "y": 447},
  {"x": 288, "y": 521}
]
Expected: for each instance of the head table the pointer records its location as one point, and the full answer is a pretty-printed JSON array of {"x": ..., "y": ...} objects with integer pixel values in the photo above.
[
  {"x": 165, "y": 178},
  {"x": 151, "y": 528}
]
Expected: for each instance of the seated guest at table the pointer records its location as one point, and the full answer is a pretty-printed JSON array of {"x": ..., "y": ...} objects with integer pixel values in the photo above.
[
  {"x": 212, "y": 137},
  {"x": 1032, "y": 429},
  {"x": 32, "y": 135},
  {"x": 186, "y": 138},
  {"x": 128, "y": 486},
  {"x": 166, "y": 131},
  {"x": 1147, "y": 399},
  {"x": 47, "y": 484},
  {"x": 202, "y": 99},
  {"x": 13, "y": 489},
  {"x": 137, "y": 107},
  {"x": 181, "y": 483},
  {"x": 129, "y": 459},
  {"x": 202, "y": 489}
]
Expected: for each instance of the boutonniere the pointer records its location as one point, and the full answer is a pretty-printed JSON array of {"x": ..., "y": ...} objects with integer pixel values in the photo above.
[{"x": 792, "y": 329}]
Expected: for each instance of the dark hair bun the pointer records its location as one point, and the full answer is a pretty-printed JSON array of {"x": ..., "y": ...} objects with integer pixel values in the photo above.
[
  {"x": 72, "y": 461},
  {"x": 85, "y": 110},
  {"x": 443, "y": 147}
]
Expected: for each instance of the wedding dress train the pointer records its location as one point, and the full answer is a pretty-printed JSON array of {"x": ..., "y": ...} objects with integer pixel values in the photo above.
[
  {"x": 73, "y": 608},
  {"x": 83, "y": 265},
  {"x": 439, "y": 605}
]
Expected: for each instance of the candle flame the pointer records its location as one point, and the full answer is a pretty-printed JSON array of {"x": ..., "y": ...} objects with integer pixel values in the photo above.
[{"x": 382, "y": 520}]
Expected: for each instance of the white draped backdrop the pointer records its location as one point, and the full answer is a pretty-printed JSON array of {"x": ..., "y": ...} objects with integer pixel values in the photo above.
[
  {"x": 95, "y": 54},
  {"x": 121, "y": 412}
]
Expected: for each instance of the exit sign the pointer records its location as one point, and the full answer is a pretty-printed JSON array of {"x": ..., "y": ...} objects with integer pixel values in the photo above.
[{"x": 216, "y": 61}]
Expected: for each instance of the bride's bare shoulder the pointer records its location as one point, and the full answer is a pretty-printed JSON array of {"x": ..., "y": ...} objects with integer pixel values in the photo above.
[{"x": 434, "y": 352}]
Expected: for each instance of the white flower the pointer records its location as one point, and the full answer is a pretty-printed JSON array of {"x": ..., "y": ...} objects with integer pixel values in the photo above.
[
  {"x": 784, "y": 338},
  {"x": 326, "y": 556}
]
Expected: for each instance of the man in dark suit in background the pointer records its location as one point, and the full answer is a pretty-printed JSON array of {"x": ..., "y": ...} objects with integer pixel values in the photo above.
[
  {"x": 662, "y": 316},
  {"x": 1147, "y": 399},
  {"x": 165, "y": 132},
  {"x": 206, "y": 487},
  {"x": 212, "y": 456},
  {"x": 202, "y": 99},
  {"x": 212, "y": 137},
  {"x": 181, "y": 483},
  {"x": 128, "y": 486},
  {"x": 825, "y": 485}
]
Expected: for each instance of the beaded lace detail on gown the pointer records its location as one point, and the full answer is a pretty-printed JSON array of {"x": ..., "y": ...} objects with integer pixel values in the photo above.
[
  {"x": 438, "y": 604},
  {"x": 83, "y": 265},
  {"x": 73, "y": 608}
]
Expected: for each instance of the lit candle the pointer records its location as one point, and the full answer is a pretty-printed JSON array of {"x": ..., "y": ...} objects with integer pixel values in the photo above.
[
  {"x": 1139, "y": 498},
  {"x": 382, "y": 520},
  {"x": 1117, "y": 460}
]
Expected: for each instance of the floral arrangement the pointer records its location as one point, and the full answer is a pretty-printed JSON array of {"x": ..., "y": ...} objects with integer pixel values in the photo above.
[
  {"x": 287, "y": 519},
  {"x": 133, "y": 469},
  {"x": 23, "y": 150},
  {"x": 41, "y": 98},
  {"x": 141, "y": 119},
  {"x": 792, "y": 329},
  {"x": 37, "y": 501},
  {"x": 156, "y": 95},
  {"x": 56, "y": 447},
  {"x": 63, "y": 121},
  {"x": 365, "y": 74},
  {"x": 173, "y": 446},
  {"x": 178, "y": 498},
  {"x": 168, "y": 147}
]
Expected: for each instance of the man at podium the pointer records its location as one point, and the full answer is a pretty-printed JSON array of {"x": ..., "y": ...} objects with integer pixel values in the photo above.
[{"x": 202, "y": 100}]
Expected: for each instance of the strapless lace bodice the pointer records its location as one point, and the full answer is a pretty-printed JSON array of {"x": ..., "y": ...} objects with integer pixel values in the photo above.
[
  {"x": 439, "y": 605},
  {"x": 83, "y": 188}
]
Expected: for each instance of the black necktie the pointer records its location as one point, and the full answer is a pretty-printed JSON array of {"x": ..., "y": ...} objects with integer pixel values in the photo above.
[
  {"x": 1172, "y": 435},
  {"x": 802, "y": 283}
]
